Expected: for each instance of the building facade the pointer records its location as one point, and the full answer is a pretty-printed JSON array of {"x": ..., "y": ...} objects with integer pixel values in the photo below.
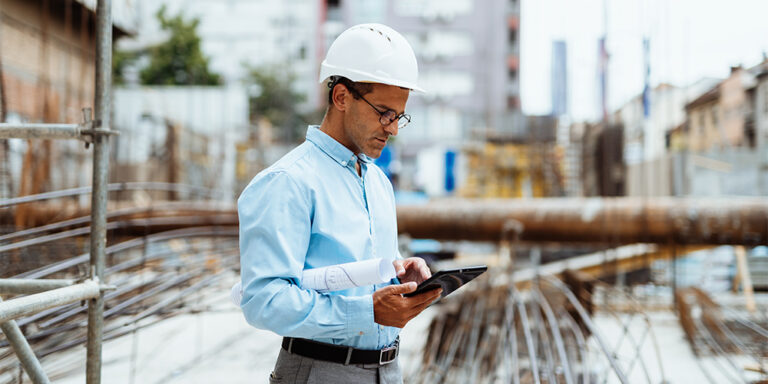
[
  {"x": 645, "y": 135},
  {"x": 47, "y": 69},
  {"x": 761, "y": 111},
  {"x": 723, "y": 117}
]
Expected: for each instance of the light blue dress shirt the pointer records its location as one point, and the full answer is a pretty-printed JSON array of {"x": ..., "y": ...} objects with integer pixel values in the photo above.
[{"x": 308, "y": 210}]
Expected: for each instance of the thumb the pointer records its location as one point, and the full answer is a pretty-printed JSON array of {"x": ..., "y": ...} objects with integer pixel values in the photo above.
[{"x": 402, "y": 288}]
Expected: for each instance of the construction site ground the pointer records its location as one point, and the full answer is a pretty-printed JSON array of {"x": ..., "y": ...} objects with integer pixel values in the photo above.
[
  {"x": 218, "y": 345},
  {"x": 210, "y": 347}
]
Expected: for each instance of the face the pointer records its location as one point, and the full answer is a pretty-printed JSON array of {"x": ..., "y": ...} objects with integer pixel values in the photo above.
[{"x": 362, "y": 129}]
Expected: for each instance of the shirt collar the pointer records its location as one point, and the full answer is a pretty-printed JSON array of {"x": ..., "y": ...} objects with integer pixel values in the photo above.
[{"x": 333, "y": 148}]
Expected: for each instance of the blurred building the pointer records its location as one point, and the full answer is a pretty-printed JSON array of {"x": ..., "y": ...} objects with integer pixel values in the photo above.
[
  {"x": 724, "y": 116},
  {"x": 703, "y": 140},
  {"x": 761, "y": 110},
  {"x": 651, "y": 121},
  {"x": 603, "y": 171},
  {"x": 47, "y": 67},
  {"x": 703, "y": 117},
  {"x": 512, "y": 165},
  {"x": 645, "y": 135},
  {"x": 469, "y": 60}
]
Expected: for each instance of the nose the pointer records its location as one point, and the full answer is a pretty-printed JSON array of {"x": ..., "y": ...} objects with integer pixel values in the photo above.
[{"x": 392, "y": 128}]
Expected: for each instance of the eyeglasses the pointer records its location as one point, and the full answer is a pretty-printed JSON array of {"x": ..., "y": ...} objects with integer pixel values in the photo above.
[{"x": 387, "y": 117}]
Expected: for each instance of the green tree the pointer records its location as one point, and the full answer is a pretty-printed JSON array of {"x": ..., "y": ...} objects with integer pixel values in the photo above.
[
  {"x": 273, "y": 98},
  {"x": 179, "y": 60},
  {"x": 121, "y": 60}
]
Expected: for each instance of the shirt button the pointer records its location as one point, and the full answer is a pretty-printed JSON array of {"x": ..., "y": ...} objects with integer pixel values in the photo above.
[{"x": 344, "y": 163}]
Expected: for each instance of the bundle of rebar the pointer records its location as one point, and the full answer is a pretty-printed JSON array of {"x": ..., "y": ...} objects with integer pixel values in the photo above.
[
  {"x": 722, "y": 333},
  {"x": 155, "y": 277},
  {"x": 499, "y": 333}
]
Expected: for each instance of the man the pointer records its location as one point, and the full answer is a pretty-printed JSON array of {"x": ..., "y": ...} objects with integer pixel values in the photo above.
[{"x": 326, "y": 203}]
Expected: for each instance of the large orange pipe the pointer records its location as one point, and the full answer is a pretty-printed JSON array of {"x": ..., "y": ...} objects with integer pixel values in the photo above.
[
  {"x": 615, "y": 221},
  {"x": 606, "y": 220}
]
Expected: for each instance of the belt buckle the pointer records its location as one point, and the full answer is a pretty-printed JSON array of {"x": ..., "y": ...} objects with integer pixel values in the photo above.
[{"x": 388, "y": 355}]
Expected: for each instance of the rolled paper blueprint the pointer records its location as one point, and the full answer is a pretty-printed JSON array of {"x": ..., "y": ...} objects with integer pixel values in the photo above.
[
  {"x": 338, "y": 277},
  {"x": 349, "y": 275}
]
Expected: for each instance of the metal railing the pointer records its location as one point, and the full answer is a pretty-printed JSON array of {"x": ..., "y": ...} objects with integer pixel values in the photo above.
[{"x": 55, "y": 293}]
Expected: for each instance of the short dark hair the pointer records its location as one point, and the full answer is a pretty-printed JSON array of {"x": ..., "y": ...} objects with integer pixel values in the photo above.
[{"x": 357, "y": 88}]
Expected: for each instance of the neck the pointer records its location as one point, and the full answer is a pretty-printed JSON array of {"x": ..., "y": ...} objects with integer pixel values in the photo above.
[{"x": 332, "y": 126}]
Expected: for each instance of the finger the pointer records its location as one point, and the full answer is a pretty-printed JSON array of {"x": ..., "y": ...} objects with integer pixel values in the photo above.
[
  {"x": 399, "y": 268},
  {"x": 427, "y": 297},
  {"x": 400, "y": 289},
  {"x": 425, "y": 272},
  {"x": 421, "y": 267},
  {"x": 432, "y": 298},
  {"x": 421, "y": 307}
]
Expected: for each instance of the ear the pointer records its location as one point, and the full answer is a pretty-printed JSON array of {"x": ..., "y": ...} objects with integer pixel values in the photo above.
[{"x": 340, "y": 96}]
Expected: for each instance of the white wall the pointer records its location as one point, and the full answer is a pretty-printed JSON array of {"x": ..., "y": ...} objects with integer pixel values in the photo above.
[{"x": 258, "y": 32}]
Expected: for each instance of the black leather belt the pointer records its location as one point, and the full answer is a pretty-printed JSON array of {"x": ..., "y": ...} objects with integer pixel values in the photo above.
[{"x": 340, "y": 354}]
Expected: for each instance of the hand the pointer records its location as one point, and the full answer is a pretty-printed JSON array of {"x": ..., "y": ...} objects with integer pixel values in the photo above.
[
  {"x": 390, "y": 308},
  {"x": 412, "y": 269}
]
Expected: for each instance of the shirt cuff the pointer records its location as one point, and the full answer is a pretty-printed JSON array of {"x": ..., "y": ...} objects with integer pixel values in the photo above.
[{"x": 360, "y": 315}]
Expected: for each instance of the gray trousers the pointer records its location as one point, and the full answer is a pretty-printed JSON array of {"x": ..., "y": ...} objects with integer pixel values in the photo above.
[{"x": 294, "y": 369}]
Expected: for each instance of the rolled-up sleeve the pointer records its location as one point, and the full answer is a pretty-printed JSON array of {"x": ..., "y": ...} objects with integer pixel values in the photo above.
[{"x": 275, "y": 215}]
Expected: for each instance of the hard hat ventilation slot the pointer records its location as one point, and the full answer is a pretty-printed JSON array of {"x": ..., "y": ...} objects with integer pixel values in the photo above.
[{"x": 380, "y": 33}]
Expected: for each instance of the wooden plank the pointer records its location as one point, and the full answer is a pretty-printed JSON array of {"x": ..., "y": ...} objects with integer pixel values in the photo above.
[{"x": 746, "y": 279}]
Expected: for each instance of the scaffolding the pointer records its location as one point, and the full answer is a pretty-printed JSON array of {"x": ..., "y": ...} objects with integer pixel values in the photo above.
[{"x": 45, "y": 294}]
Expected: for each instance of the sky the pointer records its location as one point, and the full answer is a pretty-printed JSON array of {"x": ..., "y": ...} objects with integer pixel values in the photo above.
[{"x": 689, "y": 40}]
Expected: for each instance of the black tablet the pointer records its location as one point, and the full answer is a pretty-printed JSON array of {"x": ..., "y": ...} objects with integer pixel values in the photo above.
[{"x": 449, "y": 279}]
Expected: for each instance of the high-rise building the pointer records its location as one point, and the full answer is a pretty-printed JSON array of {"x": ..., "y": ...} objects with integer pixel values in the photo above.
[
  {"x": 559, "y": 78},
  {"x": 468, "y": 54}
]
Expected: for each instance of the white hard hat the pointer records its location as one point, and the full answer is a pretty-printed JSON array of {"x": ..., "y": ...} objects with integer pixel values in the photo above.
[{"x": 372, "y": 53}]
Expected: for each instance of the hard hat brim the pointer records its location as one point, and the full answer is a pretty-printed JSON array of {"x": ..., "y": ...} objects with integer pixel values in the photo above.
[{"x": 359, "y": 76}]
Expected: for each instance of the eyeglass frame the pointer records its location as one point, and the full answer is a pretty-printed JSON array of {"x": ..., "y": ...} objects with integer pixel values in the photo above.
[{"x": 383, "y": 120}]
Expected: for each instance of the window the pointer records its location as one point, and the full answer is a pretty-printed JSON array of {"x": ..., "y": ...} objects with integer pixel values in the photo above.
[{"x": 513, "y": 36}]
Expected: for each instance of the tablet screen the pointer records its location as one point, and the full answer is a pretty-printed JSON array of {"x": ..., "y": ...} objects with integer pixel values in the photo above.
[{"x": 449, "y": 279}]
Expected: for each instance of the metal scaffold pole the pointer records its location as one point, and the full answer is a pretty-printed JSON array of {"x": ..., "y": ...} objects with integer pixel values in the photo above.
[
  {"x": 102, "y": 105},
  {"x": 24, "y": 352}
]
